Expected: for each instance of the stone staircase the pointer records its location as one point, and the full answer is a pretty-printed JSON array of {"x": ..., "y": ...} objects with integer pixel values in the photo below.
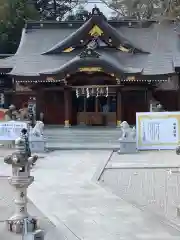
[{"x": 82, "y": 138}]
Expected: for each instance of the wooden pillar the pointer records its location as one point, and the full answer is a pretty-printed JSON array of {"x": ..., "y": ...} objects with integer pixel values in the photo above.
[
  {"x": 85, "y": 100},
  {"x": 119, "y": 109},
  {"x": 96, "y": 104},
  {"x": 67, "y": 107},
  {"x": 13, "y": 95},
  {"x": 39, "y": 103},
  {"x": 148, "y": 98},
  {"x": 178, "y": 94}
]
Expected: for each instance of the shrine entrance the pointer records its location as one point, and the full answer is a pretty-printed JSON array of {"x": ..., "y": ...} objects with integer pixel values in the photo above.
[
  {"x": 94, "y": 99},
  {"x": 96, "y": 106}
]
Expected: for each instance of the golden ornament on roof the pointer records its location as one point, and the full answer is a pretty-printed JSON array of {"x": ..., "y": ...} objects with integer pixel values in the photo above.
[{"x": 95, "y": 31}]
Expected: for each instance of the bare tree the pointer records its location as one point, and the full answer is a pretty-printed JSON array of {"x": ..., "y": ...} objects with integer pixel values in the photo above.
[
  {"x": 54, "y": 9},
  {"x": 145, "y": 9}
]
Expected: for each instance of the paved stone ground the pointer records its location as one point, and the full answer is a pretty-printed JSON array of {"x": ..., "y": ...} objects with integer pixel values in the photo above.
[
  {"x": 81, "y": 209},
  {"x": 65, "y": 192},
  {"x": 157, "y": 190}
]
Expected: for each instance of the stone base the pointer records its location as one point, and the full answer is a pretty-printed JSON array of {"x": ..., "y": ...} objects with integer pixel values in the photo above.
[
  {"x": 127, "y": 147},
  {"x": 178, "y": 211},
  {"x": 178, "y": 150},
  {"x": 17, "y": 225},
  {"x": 7, "y": 144},
  {"x": 118, "y": 124},
  {"x": 38, "y": 234},
  {"x": 67, "y": 124},
  {"x": 37, "y": 144}
]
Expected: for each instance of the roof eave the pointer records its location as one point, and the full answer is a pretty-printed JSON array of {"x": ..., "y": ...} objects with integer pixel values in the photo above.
[{"x": 76, "y": 63}]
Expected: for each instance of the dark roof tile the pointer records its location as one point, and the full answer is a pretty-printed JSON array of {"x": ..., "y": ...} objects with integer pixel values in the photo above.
[{"x": 161, "y": 40}]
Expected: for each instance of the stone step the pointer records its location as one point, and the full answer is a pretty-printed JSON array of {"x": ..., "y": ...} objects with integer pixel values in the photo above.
[
  {"x": 83, "y": 137},
  {"x": 81, "y": 146},
  {"x": 97, "y": 133},
  {"x": 82, "y": 133},
  {"x": 83, "y": 140}
]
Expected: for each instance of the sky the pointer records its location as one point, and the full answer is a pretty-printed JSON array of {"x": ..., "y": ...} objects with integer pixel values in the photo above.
[{"x": 102, "y": 6}]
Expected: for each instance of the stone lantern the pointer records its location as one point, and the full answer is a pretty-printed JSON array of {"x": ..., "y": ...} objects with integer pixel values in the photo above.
[{"x": 21, "y": 161}]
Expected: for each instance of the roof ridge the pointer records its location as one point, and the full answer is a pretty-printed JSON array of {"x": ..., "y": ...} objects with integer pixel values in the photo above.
[
  {"x": 77, "y": 23},
  {"x": 109, "y": 34}
]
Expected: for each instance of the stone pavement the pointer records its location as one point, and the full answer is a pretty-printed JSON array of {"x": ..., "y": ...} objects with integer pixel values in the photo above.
[
  {"x": 147, "y": 180},
  {"x": 81, "y": 209},
  {"x": 146, "y": 158}
]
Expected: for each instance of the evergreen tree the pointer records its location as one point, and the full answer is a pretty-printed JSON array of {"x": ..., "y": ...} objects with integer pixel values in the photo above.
[
  {"x": 13, "y": 14},
  {"x": 54, "y": 9}
]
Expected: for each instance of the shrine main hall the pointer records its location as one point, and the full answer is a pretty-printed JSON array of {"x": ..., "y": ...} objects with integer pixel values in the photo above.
[{"x": 94, "y": 72}]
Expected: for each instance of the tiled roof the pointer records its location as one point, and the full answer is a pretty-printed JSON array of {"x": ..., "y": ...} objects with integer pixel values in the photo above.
[
  {"x": 160, "y": 40},
  {"x": 103, "y": 60}
]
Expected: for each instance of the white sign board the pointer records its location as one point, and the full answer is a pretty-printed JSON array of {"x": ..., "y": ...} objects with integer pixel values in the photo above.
[
  {"x": 11, "y": 130},
  {"x": 157, "y": 130}
]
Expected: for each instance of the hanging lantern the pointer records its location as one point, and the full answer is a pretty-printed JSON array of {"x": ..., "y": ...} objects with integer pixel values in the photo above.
[
  {"x": 77, "y": 93},
  {"x": 87, "y": 93},
  {"x": 2, "y": 101},
  {"x": 97, "y": 92},
  {"x": 107, "y": 91}
]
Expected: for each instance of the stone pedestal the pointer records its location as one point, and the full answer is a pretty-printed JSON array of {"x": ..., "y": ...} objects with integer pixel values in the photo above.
[
  {"x": 37, "y": 142},
  {"x": 178, "y": 211},
  {"x": 37, "y": 145},
  {"x": 127, "y": 146},
  {"x": 178, "y": 150},
  {"x": 66, "y": 124},
  {"x": 7, "y": 144},
  {"x": 118, "y": 124},
  {"x": 128, "y": 139}
]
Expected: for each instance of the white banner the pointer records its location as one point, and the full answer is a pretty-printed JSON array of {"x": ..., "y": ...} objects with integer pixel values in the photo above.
[
  {"x": 11, "y": 130},
  {"x": 157, "y": 130}
]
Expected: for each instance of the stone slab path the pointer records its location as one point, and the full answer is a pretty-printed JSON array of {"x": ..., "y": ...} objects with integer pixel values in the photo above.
[
  {"x": 81, "y": 209},
  {"x": 149, "y": 180}
]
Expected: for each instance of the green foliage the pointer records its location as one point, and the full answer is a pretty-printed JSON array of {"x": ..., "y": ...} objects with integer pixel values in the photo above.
[{"x": 13, "y": 14}]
